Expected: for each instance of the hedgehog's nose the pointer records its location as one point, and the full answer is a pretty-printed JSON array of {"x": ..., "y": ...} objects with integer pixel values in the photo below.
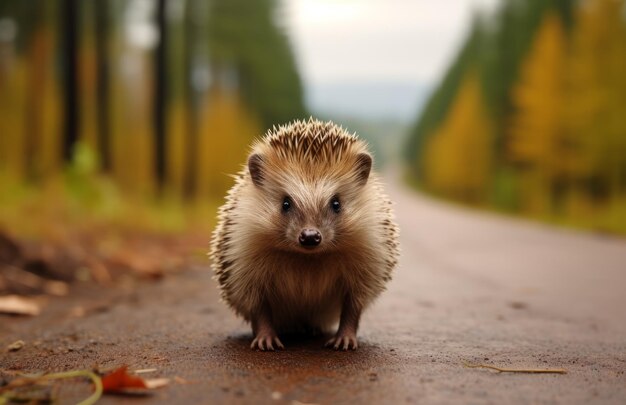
[{"x": 310, "y": 237}]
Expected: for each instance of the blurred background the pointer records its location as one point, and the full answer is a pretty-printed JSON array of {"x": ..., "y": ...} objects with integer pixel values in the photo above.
[{"x": 125, "y": 117}]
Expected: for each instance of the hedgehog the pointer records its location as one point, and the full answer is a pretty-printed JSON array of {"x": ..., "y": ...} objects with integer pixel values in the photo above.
[{"x": 306, "y": 238}]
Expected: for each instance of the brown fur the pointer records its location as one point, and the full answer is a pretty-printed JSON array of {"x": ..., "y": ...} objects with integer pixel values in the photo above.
[{"x": 255, "y": 254}]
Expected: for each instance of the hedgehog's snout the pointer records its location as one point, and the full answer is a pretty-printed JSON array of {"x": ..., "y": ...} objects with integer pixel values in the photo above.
[{"x": 310, "y": 237}]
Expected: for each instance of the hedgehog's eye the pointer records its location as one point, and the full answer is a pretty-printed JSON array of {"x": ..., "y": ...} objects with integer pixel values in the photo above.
[
  {"x": 286, "y": 204},
  {"x": 335, "y": 204}
]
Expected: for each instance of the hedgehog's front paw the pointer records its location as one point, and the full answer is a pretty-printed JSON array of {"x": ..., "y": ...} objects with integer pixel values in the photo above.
[
  {"x": 266, "y": 341},
  {"x": 343, "y": 340}
]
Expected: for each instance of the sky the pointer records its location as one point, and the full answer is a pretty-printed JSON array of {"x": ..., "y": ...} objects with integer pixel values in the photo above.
[{"x": 377, "y": 40}]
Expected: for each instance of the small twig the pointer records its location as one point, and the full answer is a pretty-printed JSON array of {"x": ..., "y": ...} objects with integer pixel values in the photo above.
[
  {"x": 518, "y": 370},
  {"x": 145, "y": 371}
]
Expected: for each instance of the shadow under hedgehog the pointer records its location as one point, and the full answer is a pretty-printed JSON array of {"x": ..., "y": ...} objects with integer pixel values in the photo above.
[{"x": 306, "y": 237}]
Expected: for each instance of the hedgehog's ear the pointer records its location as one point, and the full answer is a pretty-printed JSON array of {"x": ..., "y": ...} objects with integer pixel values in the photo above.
[
  {"x": 363, "y": 167},
  {"x": 255, "y": 166}
]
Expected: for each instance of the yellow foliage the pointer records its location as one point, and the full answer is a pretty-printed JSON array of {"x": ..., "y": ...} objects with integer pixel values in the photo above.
[
  {"x": 537, "y": 129},
  {"x": 12, "y": 110},
  {"x": 458, "y": 155},
  {"x": 131, "y": 124},
  {"x": 178, "y": 138},
  {"x": 537, "y": 136},
  {"x": 31, "y": 109},
  {"x": 225, "y": 132},
  {"x": 43, "y": 103},
  {"x": 597, "y": 100}
]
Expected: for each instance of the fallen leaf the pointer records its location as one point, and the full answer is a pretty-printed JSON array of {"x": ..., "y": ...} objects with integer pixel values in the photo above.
[
  {"x": 138, "y": 263},
  {"x": 58, "y": 288},
  {"x": 15, "y": 346},
  {"x": 18, "y": 277},
  {"x": 10, "y": 251},
  {"x": 80, "y": 311},
  {"x": 17, "y": 305},
  {"x": 119, "y": 380},
  {"x": 99, "y": 271}
]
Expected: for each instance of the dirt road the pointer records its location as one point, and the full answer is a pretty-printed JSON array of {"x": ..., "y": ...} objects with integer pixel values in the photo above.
[{"x": 471, "y": 287}]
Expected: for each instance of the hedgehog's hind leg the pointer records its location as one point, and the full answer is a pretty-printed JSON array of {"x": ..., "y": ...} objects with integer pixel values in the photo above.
[{"x": 265, "y": 336}]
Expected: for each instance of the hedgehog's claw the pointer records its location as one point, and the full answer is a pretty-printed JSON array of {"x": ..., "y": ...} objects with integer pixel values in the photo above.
[
  {"x": 279, "y": 344},
  {"x": 343, "y": 341},
  {"x": 266, "y": 342}
]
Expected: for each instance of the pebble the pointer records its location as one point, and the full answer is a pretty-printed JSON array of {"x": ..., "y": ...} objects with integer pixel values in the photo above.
[{"x": 15, "y": 346}]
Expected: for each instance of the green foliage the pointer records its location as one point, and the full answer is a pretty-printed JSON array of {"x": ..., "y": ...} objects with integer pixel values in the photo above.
[
  {"x": 246, "y": 35},
  {"x": 505, "y": 194},
  {"x": 85, "y": 160},
  {"x": 85, "y": 189},
  {"x": 440, "y": 101}
]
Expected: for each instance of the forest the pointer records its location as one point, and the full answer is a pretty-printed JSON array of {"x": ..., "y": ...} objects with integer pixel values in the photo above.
[
  {"x": 529, "y": 117},
  {"x": 150, "y": 102},
  {"x": 138, "y": 110}
]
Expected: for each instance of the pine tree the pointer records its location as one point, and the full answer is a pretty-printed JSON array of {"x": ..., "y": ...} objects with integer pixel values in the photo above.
[
  {"x": 459, "y": 153},
  {"x": 598, "y": 94},
  {"x": 249, "y": 36},
  {"x": 537, "y": 136},
  {"x": 440, "y": 103}
]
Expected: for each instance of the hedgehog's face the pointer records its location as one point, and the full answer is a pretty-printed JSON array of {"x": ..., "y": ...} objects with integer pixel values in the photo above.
[{"x": 312, "y": 208}]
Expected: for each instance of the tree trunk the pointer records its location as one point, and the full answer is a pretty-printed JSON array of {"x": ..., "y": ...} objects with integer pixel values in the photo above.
[
  {"x": 69, "y": 18},
  {"x": 191, "y": 167},
  {"x": 102, "y": 91},
  {"x": 160, "y": 99},
  {"x": 37, "y": 58}
]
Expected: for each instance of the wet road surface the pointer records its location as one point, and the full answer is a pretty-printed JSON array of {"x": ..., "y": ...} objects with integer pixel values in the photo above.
[{"x": 471, "y": 287}]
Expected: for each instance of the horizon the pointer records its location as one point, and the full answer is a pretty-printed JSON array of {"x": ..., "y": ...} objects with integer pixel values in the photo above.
[{"x": 377, "y": 35}]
